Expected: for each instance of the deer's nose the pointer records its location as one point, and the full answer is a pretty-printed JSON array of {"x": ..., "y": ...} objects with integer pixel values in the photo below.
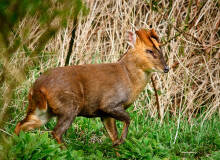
[{"x": 166, "y": 69}]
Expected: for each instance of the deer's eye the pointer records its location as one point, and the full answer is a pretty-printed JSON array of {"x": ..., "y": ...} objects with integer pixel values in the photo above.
[{"x": 151, "y": 52}]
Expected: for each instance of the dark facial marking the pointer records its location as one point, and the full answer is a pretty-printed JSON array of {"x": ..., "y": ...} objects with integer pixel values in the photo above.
[
  {"x": 162, "y": 58},
  {"x": 151, "y": 52}
]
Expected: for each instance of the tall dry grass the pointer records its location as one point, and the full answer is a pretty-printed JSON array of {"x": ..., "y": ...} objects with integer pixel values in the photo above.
[{"x": 189, "y": 32}]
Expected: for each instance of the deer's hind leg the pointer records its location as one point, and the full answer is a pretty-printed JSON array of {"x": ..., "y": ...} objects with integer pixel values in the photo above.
[
  {"x": 37, "y": 114},
  {"x": 63, "y": 123},
  {"x": 66, "y": 109},
  {"x": 32, "y": 121}
]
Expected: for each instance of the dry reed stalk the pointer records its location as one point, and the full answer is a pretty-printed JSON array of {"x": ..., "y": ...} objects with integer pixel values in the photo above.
[{"x": 157, "y": 99}]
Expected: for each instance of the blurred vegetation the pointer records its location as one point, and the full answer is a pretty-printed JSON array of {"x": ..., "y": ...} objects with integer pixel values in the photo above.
[{"x": 51, "y": 16}]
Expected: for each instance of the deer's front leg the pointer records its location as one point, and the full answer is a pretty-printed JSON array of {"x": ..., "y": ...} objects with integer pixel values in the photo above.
[
  {"x": 120, "y": 114},
  {"x": 110, "y": 126}
]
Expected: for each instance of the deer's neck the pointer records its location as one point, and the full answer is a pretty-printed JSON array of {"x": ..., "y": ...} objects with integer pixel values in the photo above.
[{"x": 137, "y": 77}]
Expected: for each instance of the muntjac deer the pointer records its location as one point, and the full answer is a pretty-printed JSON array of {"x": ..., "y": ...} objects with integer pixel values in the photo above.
[{"x": 95, "y": 90}]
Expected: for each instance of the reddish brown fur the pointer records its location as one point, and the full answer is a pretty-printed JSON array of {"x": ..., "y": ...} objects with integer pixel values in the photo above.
[{"x": 94, "y": 90}]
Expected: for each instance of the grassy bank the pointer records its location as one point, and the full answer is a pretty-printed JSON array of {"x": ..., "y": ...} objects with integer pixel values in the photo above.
[{"x": 147, "y": 139}]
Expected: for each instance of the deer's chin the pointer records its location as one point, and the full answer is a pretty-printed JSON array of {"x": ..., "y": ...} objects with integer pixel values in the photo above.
[{"x": 158, "y": 70}]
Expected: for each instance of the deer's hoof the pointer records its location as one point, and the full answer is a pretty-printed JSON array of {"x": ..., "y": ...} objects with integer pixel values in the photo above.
[{"x": 117, "y": 142}]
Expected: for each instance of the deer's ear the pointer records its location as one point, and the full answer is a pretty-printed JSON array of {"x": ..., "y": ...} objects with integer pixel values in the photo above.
[
  {"x": 154, "y": 35},
  {"x": 131, "y": 38}
]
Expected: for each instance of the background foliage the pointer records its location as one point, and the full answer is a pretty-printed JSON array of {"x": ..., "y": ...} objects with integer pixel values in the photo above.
[{"x": 35, "y": 35}]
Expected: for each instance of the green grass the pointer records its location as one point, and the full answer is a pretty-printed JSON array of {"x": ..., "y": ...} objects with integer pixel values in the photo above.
[{"x": 147, "y": 139}]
